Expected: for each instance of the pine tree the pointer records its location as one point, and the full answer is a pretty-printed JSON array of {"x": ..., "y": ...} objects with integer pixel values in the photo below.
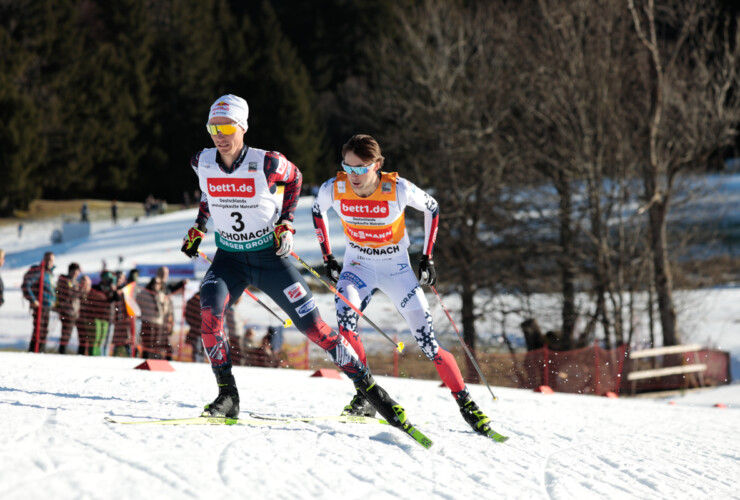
[
  {"x": 193, "y": 62},
  {"x": 22, "y": 139},
  {"x": 284, "y": 114}
]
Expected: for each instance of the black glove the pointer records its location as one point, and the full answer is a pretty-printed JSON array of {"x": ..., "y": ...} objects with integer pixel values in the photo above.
[
  {"x": 332, "y": 267},
  {"x": 191, "y": 241},
  {"x": 427, "y": 274}
]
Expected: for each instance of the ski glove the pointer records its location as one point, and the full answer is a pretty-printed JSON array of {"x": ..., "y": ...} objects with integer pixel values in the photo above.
[
  {"x": 284, "y": 239},
  {"x": 427, "y": 274},
  {"x": 191, "y": 241},
  {"x": 332, "y": 267}
]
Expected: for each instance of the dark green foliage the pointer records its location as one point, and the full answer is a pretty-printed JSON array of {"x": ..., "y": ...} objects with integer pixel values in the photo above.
[
  {"x": 283, "y": 115},
  {"x": 110, "y": 98}
]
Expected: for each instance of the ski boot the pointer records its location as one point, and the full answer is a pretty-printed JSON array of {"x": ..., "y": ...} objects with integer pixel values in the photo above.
[
  {"x": 391, "y": 411},
  {"x": 382, "y": 402},
  {"x": 359, "y": 407},
  {"x": 226, "y": 403},
  {"x": 472, "y": 414}
]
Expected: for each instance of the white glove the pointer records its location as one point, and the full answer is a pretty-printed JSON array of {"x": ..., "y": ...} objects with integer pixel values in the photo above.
[{"x": 284, "y": 239}]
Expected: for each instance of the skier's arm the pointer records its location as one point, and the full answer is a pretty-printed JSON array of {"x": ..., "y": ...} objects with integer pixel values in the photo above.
[
  {"x": 278, "y": 170},
  {"x": 413, "y": 196},
  {"x": 204, "y": 213},
  {"x": 321, "y": 206}
]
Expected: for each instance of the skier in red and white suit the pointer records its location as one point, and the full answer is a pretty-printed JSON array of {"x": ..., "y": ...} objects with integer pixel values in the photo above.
[
  {"x": 370, "y": 204},
  {"x": 251, "y": 195}
]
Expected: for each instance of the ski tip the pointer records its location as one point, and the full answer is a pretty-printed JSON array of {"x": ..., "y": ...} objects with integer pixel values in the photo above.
[
  {"x": 426, "y": 442},
  {"x": 499, "y": 438}
]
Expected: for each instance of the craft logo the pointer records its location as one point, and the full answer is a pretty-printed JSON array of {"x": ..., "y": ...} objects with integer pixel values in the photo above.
[
  {"x": 376, "y": 235},
  {"x": 354, "y": 279},
  {"x": 231, "y": 188},
  {"x": 364, "y": 208},
  {"x": 295, "y": 292},
  {"x": 252, "y": 166}
]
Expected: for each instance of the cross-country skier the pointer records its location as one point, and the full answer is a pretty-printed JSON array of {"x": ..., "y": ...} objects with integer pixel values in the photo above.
[
  {"x": 371, "y": 205},
  {"x": 252, "y": 195}
]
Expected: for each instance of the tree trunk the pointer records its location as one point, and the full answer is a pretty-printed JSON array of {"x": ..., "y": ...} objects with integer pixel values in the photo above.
[
  {"x": 468, "y": 326},
  {"x": 567, "y": 259},
  {"x": 662, "y": 272}
]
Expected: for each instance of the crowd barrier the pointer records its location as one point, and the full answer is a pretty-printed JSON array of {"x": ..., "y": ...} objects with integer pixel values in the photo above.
[{"x": 167, "y": 330}]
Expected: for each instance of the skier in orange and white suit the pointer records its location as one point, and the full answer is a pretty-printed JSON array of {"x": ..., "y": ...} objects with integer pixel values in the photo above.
[{"x": 370, "y": 204}]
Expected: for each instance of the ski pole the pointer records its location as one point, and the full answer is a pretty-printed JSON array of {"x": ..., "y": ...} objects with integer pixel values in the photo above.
[
  {"x": 462, "y": 341},
  {"x": 286, "y": 322},
  {"x": 399, "y": 346}
]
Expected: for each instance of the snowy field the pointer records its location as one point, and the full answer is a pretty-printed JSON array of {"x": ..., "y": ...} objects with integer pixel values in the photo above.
[{"x": 56, "y": 444}]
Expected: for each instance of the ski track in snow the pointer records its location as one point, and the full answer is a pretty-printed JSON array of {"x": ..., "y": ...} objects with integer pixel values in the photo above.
[{"x": 561, "y": 447}]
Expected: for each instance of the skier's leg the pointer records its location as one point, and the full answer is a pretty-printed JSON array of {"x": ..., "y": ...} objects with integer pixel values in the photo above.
[
  {"x": 414, "y": 307},
  {"x": 223, "y": 281},
  {"x": 359, "y": 293},
  {"x": 284, "y": 284}
]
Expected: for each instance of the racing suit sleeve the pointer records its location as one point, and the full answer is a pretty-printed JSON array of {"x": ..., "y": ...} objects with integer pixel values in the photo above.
[
  {"x": 411, "y": 195},
  {"x": 278, "y": 170},
  {"x": 321, "y": 206},
  {"x": 204, "y": 213}
]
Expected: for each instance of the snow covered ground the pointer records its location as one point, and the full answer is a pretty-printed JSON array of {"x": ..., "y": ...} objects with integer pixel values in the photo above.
[{"x": 56, "y": 444}]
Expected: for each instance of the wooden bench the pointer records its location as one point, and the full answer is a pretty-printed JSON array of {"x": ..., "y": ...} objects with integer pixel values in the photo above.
[{"x": 700, "y": 368}]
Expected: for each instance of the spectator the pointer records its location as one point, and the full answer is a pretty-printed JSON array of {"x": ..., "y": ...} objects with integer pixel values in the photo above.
[
  {"x": 163, "y": 273},
  {"x": 41, "y": 296},
  {"x": 94, "y": 317},
  {"x": 84, "y": 213},
  {"x": 2, "y": 287},
  {"x": 250, "y": 339},
  {"x": 156, "y": 311},
  {"x": 266, "y": 347},
  {"x": 107, "y": 287},
  {"x": 149, "y": 205},
  {"x": 122, "y": 338},
  {"x": 276, "y": 339},
  {"x": 133, "y": 276},
  {"x": 192, "y": 318},
  {"x": 114, "y": 212},
  {"x": 20, "y": 230},
  {"x": 68, "y": 304}
]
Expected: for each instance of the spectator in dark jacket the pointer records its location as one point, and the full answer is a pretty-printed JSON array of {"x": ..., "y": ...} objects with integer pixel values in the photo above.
[
  {"x": 68, "y": 303},
  {"x": 92, "y": 325},
  {"x": 108, "y": 288},
  {"x": 41, "y": 296},
  {"x": 156, "y": 314}
]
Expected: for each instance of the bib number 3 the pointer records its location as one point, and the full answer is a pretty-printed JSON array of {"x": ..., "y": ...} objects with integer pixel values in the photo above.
[{"x": 238, "y": 221}]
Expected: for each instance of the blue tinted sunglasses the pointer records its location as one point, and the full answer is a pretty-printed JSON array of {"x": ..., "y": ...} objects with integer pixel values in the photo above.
[{"x": 357, "y": 170}]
